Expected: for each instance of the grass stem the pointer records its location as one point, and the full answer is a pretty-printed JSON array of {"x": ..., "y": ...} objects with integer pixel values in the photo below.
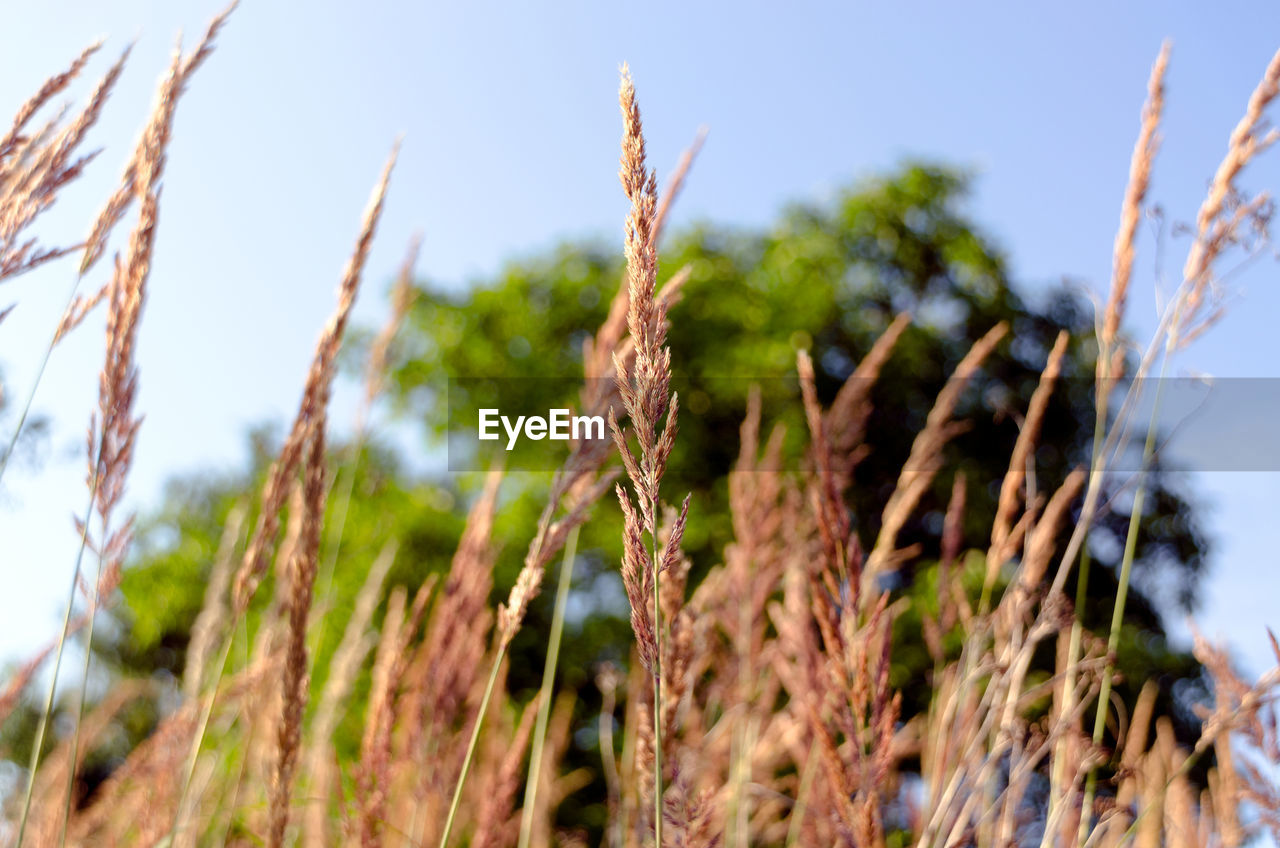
[
  {"x": 84, "y": 686},
  {"x": 35, "y": 383},
  {"x": 196, "y": 743},
  {"x": 471, "y": 746},
  {"x": 47, "y": 714},
  {"x": 795, "y": 827},
  {"x": 657, "y": 684},
  {"x": 548, "y": 684},
  {"x": 1122, "y": 590}
]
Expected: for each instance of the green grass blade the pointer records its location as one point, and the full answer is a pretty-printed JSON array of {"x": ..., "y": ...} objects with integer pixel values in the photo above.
[{"x": 548, "y": 684}]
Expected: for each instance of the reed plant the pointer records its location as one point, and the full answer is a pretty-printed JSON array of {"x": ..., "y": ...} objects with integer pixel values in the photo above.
[{"x": 759, "y": 706}]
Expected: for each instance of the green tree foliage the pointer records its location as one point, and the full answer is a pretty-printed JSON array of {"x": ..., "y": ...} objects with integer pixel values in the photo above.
[{"x": 828, "y": 278}]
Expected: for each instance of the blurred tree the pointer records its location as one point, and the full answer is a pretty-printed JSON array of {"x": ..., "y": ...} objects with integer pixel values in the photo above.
[
  {"x": 831, "y": 278},
  {"x": 828, "y": 278}
]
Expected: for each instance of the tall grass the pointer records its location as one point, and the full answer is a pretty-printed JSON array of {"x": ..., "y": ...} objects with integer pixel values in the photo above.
[{"x": 758, "y": 708}]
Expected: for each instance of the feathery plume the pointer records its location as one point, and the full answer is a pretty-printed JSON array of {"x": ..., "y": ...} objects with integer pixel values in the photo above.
[
  {"x": 315, "y": 398},
  {"x": 51, "y": 88},
  {"x": 154, "y": 140},
  {"x": 1003, "y": 545},
  {"x": 403, "y": 295},
  {"x": 302, "y": 575},
  {"x": 347, "y": 660},
  {"x": 926, "y": 456},
  {"x": 1144, "y": 153},
  {"x": 1218, "y": 222},
  {"x": 645, "y": 390}
]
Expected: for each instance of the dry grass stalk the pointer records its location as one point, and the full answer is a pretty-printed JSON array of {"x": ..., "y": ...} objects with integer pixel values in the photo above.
[
  {"x": 1016, "y": 604},
  {"x": 842, "y": 559},
  {"x": 58, "y": 769},
  {"x": 153, "y": 143},
  {"x": 52, "y": 87},
  {"x": 644, "y": 388},
  {"x": 598, "y": 352},
  {"x": 847, "y": 417},
  {"x": 214, "y": 611},
  {"x": 551, "y": 533},
  {"x": 314, "y": 399},
  {"x": 926, "y": 456},
  {"x": 1212, "y": 229},
  {"x": 131, "y": 805},
  {"x": 388, "y": 673},
  {"x": 78, "y": 310},
  {"x": 444, "y": 673},
  {"x": 302, "y": 575},
  {"x": 495, "y": 825},
  {"x": 454, "y": 644},
  {"x": 1003, "y": 543},
  {"x": 553, "y": 787},
  {"x": 403, "y": 294},
  {"x": 676, "y": 182},
  {"x": 21, "y": 677},
  {"x": 138, "y": 801},
  {"x": 1144, "y": 153},
  {"x": 111, "y": 442},
  {"x": 347, "y": 660},
  {"x": 113, "y": 430},
  {"x": 305, "y": 441},
  {"x": 576, "y": 485},
  {"x": 35, "y": 166},
  {"x": 764, "y": 700}
]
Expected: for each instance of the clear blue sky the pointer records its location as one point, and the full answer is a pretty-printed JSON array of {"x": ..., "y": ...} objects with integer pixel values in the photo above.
[{"x": 512, "y": 128}]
